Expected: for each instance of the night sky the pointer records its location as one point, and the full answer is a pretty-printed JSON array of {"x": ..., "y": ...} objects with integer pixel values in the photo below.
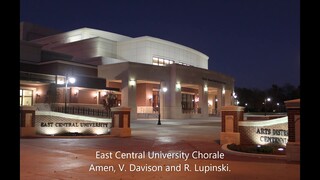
[{"x": 255, "y": 41}]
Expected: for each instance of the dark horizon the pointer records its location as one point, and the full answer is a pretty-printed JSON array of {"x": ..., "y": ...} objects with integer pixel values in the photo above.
[{"x": 255, "y": 42}]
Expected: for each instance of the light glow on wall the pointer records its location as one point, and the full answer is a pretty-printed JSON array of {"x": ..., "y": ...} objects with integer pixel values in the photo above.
[
  {"x": 74, "y": 130},
  {"x": 95, "y": 94},
  {"x": 103, "y": 93},
  {"x": 99, "y": 131},
  {"x": 50, "y": 131},
  {"x": 76, "y": 91}
]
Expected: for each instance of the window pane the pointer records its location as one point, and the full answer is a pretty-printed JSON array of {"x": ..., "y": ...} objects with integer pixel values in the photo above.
[
  {"x": 27, "y": 101},
  {"x": 27, "y": 93}
]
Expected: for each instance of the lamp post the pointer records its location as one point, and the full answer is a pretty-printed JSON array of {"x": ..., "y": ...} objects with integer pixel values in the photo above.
[
  {"x": 71, "y": 80},
  {"x": 235, "y": 99},
  {"x": 164, "y": 89},
  {"x": 265, "y": 105}
]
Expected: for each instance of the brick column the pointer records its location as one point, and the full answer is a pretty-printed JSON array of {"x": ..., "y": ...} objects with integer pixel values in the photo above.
[
  {"x": 293, "y": 145},
  {"x": 121, "y": 121},
  {"x": 27, "y": 121},
  {"x": 230, "y": 116}
]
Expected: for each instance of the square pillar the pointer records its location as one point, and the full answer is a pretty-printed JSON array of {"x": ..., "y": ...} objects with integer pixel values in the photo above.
[
  {"x": 230, "y": 116},
  {"x": 128, "y": 96},
  {"x": 293, "y": 145},
  {"x": 121, "y": 122},
  {"x": 219, "y": 102},
  {"x": 174, "y": 99},
  {"x": 27, "y": 121},
  {"x": 203, "y": 101}
]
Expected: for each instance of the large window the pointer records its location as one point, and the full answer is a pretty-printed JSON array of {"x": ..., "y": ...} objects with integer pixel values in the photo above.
[
  {"x": 187, "y": 102},
  {"x": 26, "y": 97},
  {"x": 181, "y": 63},
  {"x": 161, "y": 61}
]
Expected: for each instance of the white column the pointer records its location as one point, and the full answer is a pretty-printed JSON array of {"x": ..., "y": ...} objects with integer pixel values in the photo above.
[
  {"x": 128, "y": 96},
  {"x": 219, "y": 103},
  {"x": 203, "y": 102}
]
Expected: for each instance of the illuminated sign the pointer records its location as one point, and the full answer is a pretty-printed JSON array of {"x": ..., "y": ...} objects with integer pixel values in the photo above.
[{"x": 263, "y": 132}]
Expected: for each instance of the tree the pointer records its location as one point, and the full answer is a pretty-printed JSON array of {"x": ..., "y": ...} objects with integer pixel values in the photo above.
[
  {"x": 52, "y": 95},
  {"x": 278, "y": 94},
  {"x": 110, "y": 101}
]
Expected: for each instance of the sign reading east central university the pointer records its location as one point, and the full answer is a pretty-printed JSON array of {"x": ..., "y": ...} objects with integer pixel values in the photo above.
[{"x": 54, "y": 123}]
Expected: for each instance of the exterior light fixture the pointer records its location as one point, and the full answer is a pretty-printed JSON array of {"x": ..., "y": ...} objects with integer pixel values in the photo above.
[
  {"x": 223, "y": 91},
  {"x": 164, "y": 89},
  {"x": 38, "y": 93},
  {"x": 205, "y": 88},
  {"x": 72, "y": 80},
  {"x": 178, "y": 86},
  {"x": 132, "y": 83}
]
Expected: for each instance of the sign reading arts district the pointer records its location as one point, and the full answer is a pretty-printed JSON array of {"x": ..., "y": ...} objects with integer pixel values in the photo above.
[{"x": 275, "y": 136}]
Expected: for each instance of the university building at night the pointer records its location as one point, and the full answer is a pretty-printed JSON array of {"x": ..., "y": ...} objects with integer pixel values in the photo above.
[{"x": 143, "y": 72}]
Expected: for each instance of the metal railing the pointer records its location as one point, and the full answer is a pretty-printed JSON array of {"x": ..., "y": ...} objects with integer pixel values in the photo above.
[
  {"x": 84, "y": 111},
  {"x": 191, "y": 111}
]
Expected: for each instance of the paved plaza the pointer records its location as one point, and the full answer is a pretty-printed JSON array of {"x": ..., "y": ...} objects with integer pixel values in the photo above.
[{"x": 75, "y": 157}]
